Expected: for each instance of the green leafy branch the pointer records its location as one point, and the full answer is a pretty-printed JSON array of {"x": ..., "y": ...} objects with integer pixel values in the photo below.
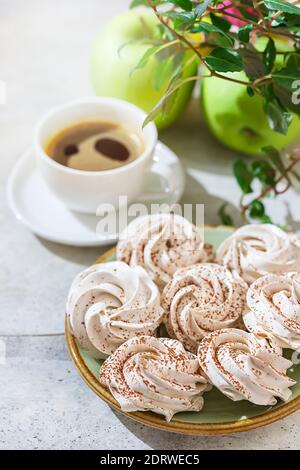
[
  {"x": 274, "y": 178},
  {"x": 270, "y": 72}
]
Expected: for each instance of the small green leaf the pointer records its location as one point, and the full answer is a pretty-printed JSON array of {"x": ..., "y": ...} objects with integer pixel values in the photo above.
[
  {"x": 257, "y": 209},
  {"x": 275, "y": 158},
  {"x": 220, "y": 22},
  {"x": 290, "y": 99},
  {"x": 158, "y": 108},
  {"x": 287, "y": 76},
  {"x": 272, "y": 152},
  {"x": 224, "y": 60},
  {"x": 262, "y": 170},
  {"x": 268, "y": 91},
  {"x": 292, "y": 22},
  {"x": 253, "y": 64},
  {"x": 250, "y": 91},
  {"x": 222, "y": 39},
  {"x": 293, "y": 61},
  {"x": 277, "y": 114},
  {"x": 186, "y": 5},
  {"x": 265, "y": 219},
  {"x": 162, "y": 73},
  {"x": 269, "y": 55},
  {"x": 243, "y": 176},
  {"x": 181, "y": 19},
  {"x": 279, "y": 118},
  {"x": 287, "y": 82},
  {"x": 278, "y": 21},
  {"x": 244, "y": 32},
  {"x": 145, "y": 58},
  {"x": 202, "y": 7},
  {"x": 280, "y": 5},
  {"x": 164, "y": 33},
  {"x": 167, "y": 101},
  {"x": 163, "y": 53},
  {"x": 177, "y": 65},
  {"x": 226, "y": 219}
]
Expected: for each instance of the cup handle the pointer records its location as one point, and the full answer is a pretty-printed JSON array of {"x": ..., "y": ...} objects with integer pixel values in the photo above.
[{"x": 165, "y": 179}]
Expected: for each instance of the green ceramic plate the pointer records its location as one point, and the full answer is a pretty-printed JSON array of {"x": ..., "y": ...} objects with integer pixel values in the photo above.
[{"x": 220, "y": 415}]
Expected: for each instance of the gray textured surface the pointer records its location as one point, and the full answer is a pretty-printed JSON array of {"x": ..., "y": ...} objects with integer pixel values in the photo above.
[{"x": 44, "y": 404}]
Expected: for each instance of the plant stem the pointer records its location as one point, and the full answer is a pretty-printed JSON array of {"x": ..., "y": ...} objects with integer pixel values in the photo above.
[
  {"x": 195, "y": 50},
  {"x": 258, "y": 26},
  {"x": 256, "y": 5},
  {"x": 267, "y": 189}
]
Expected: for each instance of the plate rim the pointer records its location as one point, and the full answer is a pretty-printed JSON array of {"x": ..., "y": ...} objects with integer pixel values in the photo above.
[{"x": 157, "y": 421}]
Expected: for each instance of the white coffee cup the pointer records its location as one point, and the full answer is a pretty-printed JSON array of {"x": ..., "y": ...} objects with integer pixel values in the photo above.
[{"x": 85, "y": 191}]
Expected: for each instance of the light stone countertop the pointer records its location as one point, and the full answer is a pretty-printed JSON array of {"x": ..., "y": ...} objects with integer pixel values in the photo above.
[{"x": 44, "y": 404}]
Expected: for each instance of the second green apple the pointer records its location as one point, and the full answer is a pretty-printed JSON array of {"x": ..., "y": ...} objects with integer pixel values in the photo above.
[{"x": 238, "y": 120}]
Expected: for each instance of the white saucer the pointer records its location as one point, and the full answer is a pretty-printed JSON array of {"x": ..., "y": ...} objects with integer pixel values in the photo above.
[{"x": 37, "y": 207}]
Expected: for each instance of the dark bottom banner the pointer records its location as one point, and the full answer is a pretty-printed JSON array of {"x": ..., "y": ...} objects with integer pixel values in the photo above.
[{"x": 133, "y": 459}]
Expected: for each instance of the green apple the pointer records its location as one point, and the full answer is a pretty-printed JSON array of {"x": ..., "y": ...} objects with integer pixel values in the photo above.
[
  {"x": 239, "y": 121},
  {"x": 117, "y": 50}
]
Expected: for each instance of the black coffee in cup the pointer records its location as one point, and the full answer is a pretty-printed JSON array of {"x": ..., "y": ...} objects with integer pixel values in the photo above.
[{"x": 95, "y": 146}]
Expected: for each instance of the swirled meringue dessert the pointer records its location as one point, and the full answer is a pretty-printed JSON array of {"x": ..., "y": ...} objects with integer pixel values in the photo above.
[
  {"x": 274, "y": 303},
  {"x": 161, "y": 244},
  {"x": 154, "y": 374},
  {"x": 245, "y": 367},
  {"x": 200, "y": 299},
  {"x": 255, "y": 250},
  {"x": 111, "y": 302}
]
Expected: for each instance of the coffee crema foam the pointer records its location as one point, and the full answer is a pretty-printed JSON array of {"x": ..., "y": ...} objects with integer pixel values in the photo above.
[{"x": 95, "y": 146}]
